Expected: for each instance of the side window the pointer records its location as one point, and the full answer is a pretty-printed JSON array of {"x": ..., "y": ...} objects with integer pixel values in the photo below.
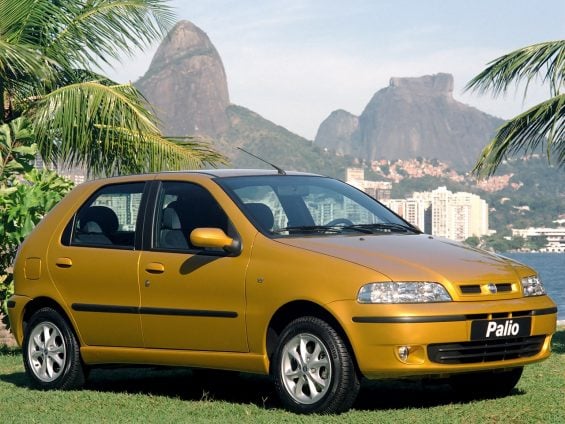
[
  {"x": 182, "y": 207},
  {"x": 109, "y": 217}
]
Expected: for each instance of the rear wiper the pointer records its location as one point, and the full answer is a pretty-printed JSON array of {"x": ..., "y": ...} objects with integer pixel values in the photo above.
[{"x": 383, "y": 226}]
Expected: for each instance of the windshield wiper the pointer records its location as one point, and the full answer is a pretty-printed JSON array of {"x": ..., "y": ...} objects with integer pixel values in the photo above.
[
  {"x": 383, "y": 226},
  {"x": 334, "y": 229},
  {"x": 309, "y": 229}
]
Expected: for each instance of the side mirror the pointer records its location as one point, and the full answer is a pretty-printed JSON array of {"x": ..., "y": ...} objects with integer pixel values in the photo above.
[{"x": 214, "y": 238}]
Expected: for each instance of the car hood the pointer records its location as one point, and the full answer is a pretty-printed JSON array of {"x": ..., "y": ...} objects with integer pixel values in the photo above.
[{"x": 414, "y": 257}]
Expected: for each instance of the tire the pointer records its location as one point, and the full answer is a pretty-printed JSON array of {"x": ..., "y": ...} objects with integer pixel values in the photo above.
[
  {"x": 51, "y": 352},
  {"x": 312, "y": 368},
  {"x": 488, "y": 384}
]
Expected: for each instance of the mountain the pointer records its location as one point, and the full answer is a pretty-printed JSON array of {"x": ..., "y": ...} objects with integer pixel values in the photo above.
[
  {"x": 186, "y": 84},
  {"x": 187, "y": 88},
  {"x": 276, "y": 144},
  {"x": 412, "y": 117}
]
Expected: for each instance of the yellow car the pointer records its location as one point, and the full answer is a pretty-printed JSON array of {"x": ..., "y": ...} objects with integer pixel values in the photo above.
[{"x": 295, "y": 275}]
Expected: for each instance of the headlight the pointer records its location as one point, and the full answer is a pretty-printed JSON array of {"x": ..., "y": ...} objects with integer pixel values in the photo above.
[
  {"x": 532, "y": 286},
  {"x": 403, "y": 292}
]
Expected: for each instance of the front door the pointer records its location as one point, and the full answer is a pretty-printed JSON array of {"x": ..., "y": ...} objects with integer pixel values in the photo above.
[{"x": 191, "y": 298}]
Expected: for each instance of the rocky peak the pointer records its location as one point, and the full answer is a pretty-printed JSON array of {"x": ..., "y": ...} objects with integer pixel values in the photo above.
[
  {"x": 186, "y": 84},
  {"x": 337, "y": 131},
  {"x": 182, "y": 41},
  {"x": 427, "y": 85},
  {"x": 412, "y": 117}
]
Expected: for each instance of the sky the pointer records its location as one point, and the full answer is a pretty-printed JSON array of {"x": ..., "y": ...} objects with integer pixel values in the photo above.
[{"x": 294, "y": 62}]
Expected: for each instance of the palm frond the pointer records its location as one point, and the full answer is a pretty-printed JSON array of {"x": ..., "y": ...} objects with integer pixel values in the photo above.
[
  {"x": 67, "y": 118},
  {"x": 108, "y": 129},
  {"x": 99, "y": 30},
  {"x": 19, "y": 61},
  {"x": 541, "y": 124},
  {"x": 152, "y": 153},
  {"x": 31, "y": 22},
  {"x": 23, "y": 71},
  {"x": 543, "y": 60}
]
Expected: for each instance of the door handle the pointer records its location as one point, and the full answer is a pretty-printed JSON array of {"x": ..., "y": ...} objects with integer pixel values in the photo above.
[
  {"x": 155, "y": 268},
  {"x": 64, "y": 262}
]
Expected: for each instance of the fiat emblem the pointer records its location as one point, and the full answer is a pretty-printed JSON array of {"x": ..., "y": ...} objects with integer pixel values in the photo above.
[{"x": 492, "y": 288}]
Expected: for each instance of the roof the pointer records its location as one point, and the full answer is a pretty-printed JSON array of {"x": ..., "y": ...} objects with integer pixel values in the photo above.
[
  {"x": 210, "y": 173},
  {"x": 220, "y": 173}
]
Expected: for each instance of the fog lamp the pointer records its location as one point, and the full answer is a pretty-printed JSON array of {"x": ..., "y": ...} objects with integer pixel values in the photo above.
[
  {"x": 403, "y": 352},
  {"x": 411, "y": 355}
]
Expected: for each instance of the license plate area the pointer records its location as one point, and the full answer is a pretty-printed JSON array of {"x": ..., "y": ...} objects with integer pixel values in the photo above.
[{"x": 493, "y": 329}]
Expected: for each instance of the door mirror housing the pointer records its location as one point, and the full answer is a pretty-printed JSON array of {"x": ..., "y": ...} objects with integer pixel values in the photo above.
[{"x": 214, "y": 238}]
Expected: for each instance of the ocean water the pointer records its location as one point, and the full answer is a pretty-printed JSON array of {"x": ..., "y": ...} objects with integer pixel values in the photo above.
[{"x": 551, "y": 269}]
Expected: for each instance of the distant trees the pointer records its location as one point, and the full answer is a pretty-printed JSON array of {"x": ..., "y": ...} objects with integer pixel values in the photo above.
[{"x": 541, "y": 125}]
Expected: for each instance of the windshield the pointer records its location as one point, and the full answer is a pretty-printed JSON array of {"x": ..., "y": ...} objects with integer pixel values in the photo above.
[{"x": 287, "y": 205}]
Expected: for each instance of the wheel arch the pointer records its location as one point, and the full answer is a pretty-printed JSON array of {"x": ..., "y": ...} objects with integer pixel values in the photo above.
[
  {"x": 43, "y": 302},
  {"x": 300, "y": 308}
]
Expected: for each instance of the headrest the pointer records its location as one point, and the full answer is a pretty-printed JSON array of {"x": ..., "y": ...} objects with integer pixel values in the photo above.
[
  {"x": 91, "y": 227},
  {"x": 171, "y": 219},
  {"x": 105, "y": 217},
  {"x": 262, "y": 214}
]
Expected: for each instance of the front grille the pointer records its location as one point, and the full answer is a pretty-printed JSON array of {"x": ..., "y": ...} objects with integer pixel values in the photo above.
[
  {"x": 504, "y": 287},
  {"x": 485, "y": 350},
  {"x": 476, "y": 288}
]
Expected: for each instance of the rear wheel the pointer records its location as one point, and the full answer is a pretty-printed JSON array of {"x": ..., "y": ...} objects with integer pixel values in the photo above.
[
  {"x": 312, "y": 368},
  {"x": 486, "y": 384},
  {"x": 51, "y": 352}
]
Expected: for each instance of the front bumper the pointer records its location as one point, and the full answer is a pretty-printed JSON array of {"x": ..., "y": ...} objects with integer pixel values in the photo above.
[{"x": 378, "y": 332}]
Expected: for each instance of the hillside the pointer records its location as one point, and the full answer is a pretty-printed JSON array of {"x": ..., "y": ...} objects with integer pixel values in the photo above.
[
  {"x": 525, "y": 192},
  {"x": 275, "y": 144}
]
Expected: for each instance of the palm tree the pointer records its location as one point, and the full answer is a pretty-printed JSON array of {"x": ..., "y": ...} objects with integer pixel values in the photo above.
[
  {"x": 51, "y": 53},
  {"x": 543, "y": 125}
]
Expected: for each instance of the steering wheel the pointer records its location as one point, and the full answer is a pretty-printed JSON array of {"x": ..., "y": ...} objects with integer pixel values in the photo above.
[{"x": 339, "y": 221}]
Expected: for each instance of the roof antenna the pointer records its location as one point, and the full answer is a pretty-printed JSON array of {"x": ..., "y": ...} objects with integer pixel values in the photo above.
[{"x": 280, "y": 171}]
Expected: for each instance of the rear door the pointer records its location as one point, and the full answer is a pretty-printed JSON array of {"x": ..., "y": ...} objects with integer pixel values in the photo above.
[{"x": 95, "y": 266}]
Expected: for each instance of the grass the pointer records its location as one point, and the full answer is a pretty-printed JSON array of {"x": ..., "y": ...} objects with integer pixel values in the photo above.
[{"x": 166, "y": 395}]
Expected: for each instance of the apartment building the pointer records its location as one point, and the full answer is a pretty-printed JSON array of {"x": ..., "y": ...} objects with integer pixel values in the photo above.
[
  {"x": 379, "y": 190},
  {"x": 440, "y": 212},
  {"x": 555, "y": 237}
]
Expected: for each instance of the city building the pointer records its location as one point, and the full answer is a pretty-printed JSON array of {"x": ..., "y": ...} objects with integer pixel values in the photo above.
[
  {"x": 380, "y": 190},
  {"x": 440, "y": 212},
  {"x": 555, "y": 237}
]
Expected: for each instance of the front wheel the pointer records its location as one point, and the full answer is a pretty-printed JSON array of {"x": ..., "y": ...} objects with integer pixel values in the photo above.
[
  {"x": 51, "y": 352},
  {"x": 312, "y": 368},
  {"x": 486, "y": 384}
]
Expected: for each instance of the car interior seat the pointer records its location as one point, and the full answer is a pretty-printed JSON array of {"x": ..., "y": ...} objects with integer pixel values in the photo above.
[
  {"x": 96, "y": 225},
  {"x": 171, "y": 234},
  {"x": 262, "y": 214}
]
